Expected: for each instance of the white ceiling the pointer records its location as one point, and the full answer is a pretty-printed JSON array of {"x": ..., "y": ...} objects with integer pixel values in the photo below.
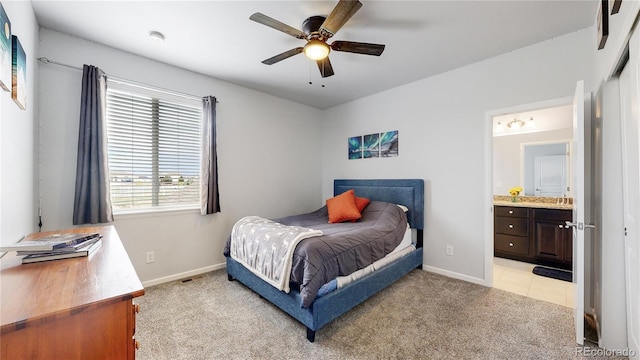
[{"x": 216, "y": 38}]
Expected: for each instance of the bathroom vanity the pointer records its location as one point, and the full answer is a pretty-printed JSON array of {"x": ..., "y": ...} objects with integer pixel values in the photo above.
[{"x": 534, "y": 232}]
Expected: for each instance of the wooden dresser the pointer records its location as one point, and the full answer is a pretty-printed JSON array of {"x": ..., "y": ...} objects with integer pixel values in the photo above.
[{"x": 79, "y": 308}]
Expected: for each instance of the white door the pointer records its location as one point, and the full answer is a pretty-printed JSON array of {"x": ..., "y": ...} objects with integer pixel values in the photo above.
[
  {"x": 630, "y": 108},
  {"x": 550, "y": 177},
  {"x": 578, "y": 193}
]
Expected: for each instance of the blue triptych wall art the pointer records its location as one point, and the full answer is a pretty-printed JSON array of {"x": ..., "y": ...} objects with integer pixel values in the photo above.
[{"x": 374, "y": 145}]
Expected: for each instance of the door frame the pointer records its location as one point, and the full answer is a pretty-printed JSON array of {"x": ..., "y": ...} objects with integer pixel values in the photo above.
[{"x": 488, "y": 179}]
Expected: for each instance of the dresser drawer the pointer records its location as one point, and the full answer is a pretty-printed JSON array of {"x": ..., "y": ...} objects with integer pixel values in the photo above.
[
  {"x": 512, "y": 211},
  {"x": 511, "y": 226},
  {"x": 512, "y": 244}
]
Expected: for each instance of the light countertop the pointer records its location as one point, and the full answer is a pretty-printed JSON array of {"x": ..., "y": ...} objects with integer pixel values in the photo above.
[{"x": 534, "y": 202}]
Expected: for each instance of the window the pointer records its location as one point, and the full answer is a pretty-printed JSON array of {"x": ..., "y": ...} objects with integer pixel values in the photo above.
[{"x": 153, "y": 149}]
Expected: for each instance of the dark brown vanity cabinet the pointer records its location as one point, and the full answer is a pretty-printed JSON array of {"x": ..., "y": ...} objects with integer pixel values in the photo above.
[
  {"x": 511, "y": 230},
  {"x": 533, "y": 235},
  {"x": 551, "y": 239}
]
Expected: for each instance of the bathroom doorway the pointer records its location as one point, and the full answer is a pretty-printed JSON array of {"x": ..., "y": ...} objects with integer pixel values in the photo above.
[{"x": 531, "y": 150}]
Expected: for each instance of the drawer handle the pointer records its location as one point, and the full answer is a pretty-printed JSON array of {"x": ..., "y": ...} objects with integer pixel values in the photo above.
[
  {"x": 136, "y": 307},
  {"x": 511, "y": 244},
  {"x": 510, "y": 226},
  {"x": 510, "y": 211}
]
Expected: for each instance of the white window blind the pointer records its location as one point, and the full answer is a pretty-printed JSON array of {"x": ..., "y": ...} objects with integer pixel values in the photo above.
[{"x": 153, "y": 149}]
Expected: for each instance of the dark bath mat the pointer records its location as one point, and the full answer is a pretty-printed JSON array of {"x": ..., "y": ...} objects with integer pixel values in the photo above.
[{"x": 553, "y": 273}]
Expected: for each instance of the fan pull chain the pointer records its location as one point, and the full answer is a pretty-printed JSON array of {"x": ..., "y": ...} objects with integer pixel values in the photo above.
[
  {"x": 311, "y": 71},
  {"x": 323, "y": 71}
]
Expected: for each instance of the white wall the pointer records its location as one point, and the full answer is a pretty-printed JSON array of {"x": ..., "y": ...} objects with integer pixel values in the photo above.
[
  {"x": 609, "y": 285},
  {"x": 507, "y": 156},
  {"x": 442, "y": 135},
  {"x": 268, "y": 156},
  {"x": 18, "y": 137}
]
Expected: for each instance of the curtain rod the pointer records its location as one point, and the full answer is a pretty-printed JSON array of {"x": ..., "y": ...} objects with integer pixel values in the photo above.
[{"x": 45, "y": 60}]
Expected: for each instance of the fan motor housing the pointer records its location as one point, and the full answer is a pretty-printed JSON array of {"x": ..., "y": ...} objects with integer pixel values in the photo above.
[{"x": 312, "y": 24}]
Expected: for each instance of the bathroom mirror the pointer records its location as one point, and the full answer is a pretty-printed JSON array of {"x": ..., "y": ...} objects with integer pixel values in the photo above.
[
  {"x": 541, "y": 168},
  {"x": 532, "y": 150},
  {"x": 546, "y": 169}
]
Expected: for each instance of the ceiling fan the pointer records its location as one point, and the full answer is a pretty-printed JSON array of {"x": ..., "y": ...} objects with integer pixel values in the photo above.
[{"x": 316, "y": 30}]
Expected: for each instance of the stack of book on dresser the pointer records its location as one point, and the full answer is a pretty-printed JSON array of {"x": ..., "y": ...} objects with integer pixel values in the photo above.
[{"x": 56, "y": 246}]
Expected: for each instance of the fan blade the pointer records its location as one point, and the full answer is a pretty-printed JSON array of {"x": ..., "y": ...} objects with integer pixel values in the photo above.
[
  {"x": 358, "y": 47},
  {"x": 325, "y": 67},
  {"x": 275, "y": 24},
  {"x": 284, "y": 55},
  {"x": 340, "y": 14}
]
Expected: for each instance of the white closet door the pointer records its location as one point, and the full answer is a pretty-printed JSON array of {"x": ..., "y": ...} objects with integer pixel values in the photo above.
[{"x": 630, "y": 112}]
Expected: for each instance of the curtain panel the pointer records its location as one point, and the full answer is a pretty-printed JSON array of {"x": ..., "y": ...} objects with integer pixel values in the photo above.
[
  {"x": 209, "y": 196},
  {"x": 92, "y": 203}
]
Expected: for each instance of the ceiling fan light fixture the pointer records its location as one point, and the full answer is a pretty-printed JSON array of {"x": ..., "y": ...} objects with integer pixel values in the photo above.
[{"x": 316, "y": 49}]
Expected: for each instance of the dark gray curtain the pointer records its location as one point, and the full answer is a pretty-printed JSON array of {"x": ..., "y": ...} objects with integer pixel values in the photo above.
[
  {"x": 92, "y": 203},
  {"x": 209, "y": 196}
]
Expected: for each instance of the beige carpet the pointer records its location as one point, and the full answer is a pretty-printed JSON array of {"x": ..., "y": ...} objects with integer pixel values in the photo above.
[{"x": 422, "y": 316}]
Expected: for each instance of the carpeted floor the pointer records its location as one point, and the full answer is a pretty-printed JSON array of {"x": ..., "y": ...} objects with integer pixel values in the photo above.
[{"x": 422, "y": 316}]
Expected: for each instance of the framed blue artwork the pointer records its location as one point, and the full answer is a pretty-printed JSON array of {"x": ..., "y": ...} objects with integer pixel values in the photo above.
[
  {"x": 355, "y": 147},
  {"x": 389, "y": 144},
  {"x": 376, "y": 145},
  {"x": 19, "y": 75},
  {"x": 5, "y": 50},
  {"x": 371, "y": 146}
]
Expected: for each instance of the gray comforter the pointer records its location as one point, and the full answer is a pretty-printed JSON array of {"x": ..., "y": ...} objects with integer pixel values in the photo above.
[{"x": 344, "y": 247}]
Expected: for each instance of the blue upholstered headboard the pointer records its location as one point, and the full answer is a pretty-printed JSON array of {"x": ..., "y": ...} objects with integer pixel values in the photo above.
[{"x": 407, "y": 192}]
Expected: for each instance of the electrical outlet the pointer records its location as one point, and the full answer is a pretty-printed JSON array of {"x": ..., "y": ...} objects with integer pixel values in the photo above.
[
  {"x": 151, "y": 257},
  {"x": 449, "y": 250}
]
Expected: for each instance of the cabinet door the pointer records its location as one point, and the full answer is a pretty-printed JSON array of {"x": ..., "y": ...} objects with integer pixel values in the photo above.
[{"x": 550, "y": 239}]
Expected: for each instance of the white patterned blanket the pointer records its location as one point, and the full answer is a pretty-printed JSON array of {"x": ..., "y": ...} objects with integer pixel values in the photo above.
[{"x": 266, "y": 248}]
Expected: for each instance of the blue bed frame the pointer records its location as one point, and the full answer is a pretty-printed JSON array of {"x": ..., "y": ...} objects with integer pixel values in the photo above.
[{"x": 408, "y": 192}]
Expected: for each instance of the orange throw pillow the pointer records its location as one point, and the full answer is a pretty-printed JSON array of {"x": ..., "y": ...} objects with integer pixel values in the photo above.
[
  {"x": 362, "y": 203},
  {"x": 343, "y": 207}
]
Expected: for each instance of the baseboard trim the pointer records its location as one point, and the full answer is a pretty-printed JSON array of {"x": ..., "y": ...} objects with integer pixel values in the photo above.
[
  {"x": 456, "y": 275},
  {"x": 183, "y": 275},
  {"x": 206, "y": 269}
]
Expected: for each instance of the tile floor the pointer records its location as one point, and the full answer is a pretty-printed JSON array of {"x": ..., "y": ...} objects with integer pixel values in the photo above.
[{"x": 517, "y": 277}]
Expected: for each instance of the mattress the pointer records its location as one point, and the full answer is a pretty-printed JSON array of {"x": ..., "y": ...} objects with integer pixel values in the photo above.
[
  {"x": 406, "y": 246},
  {"x": 344, "y": 248}
]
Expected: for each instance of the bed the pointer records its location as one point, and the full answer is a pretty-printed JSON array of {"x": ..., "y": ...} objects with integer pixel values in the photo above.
[{"x": 324, "y": 309}]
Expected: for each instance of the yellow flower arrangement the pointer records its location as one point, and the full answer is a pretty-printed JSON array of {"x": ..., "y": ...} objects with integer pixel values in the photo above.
[{"x": 515, "y": 191}]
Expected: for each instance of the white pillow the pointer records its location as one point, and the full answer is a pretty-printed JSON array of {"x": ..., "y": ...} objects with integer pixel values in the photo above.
[{"x": 404, "y": 208}]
